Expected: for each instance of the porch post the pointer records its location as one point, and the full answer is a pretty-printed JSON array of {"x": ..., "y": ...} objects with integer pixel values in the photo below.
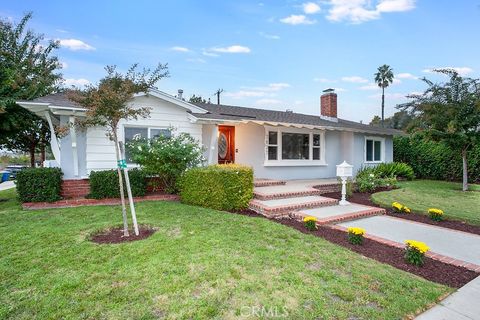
[
  {"x": 212, "y": 156},
  {"x": 53, "y": 140},
  {"x": 73, "y": 136}
]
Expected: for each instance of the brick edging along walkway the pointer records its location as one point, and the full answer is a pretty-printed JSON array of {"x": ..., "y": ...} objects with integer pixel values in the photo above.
[
  {"x": 70, "y": 203},
  {"x": 429, "y": 254}
]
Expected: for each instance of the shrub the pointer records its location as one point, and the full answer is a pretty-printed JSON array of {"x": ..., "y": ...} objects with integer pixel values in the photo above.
[
  {"x": 104, "y": 184},
  {"x": 223, "y": 187},
  {"x": 415, "y": 252},
  {"x": 355, "y": 235},
  {"x": 435, "y": 160},
  {"x": 310, "y": 223},
  {"x": 39, "y": 184},
  {"x": 435, "y": 214},
  {"x": 400, "y": 208},
  {"x": 368, "y": 181},
  {"x": 167, "y": 157},
  {"x": 394, "y": 169}
]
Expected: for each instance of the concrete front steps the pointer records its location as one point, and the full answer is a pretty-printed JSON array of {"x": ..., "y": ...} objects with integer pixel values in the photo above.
[
  {"x": 298, "y": 199},
  {"x": 284, "y": 206}
]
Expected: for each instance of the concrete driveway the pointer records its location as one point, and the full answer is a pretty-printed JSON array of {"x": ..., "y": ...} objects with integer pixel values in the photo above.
[{"x": 7, "y": 185}]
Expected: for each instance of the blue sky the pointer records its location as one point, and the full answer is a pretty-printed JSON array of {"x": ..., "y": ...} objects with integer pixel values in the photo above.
[{"x": 269, "y": 54}]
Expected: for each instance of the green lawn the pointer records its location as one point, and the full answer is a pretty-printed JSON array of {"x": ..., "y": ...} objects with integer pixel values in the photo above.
[
  {"x": 420, "y": 195},
  {"x": 200, "y": 264}
]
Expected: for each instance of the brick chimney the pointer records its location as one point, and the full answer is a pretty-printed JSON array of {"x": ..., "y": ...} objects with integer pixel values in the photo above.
[{"x": 328, "y": 104}]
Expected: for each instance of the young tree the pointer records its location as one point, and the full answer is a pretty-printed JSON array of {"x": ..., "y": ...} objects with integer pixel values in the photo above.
[
  {"x": 197, "y": 99},
  {"x": 108, "y": 102},
  {"x": 28, "y": 70},
  {"x": 450, "y": 112},
  {"x": 383, "y": 78}
]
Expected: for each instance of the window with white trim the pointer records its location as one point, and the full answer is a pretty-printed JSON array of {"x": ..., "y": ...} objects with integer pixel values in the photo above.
[
  {"x": 374, "y": 149},
  {"x": 292, "y": 146},
  {"x": 131, "y": 133}
]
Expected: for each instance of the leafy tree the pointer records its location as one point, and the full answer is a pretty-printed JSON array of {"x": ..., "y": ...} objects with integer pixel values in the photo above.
[
  {"x": 108, "y": 102},
  {"x": 450, "y": 112},
  {"x": 28, "y": 70},
  {"x": 401, "y": 120},
  {"x": 383, "y": 78},
  {"x": 197, "y": 99}
]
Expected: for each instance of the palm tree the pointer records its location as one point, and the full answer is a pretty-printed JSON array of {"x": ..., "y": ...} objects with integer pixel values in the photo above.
[{"x": 384, "y": 77}]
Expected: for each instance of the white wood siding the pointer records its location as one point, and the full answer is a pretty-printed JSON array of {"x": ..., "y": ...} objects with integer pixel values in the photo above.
[{"x": 101, "y": 151}]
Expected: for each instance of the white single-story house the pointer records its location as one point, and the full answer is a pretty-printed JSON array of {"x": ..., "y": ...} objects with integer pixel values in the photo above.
[{"x": 277, "y": 144}]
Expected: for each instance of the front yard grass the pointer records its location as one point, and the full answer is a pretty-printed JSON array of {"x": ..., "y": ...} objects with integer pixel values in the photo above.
[
  {"x": 200, "y": 264},
  {"x": 420, "y": 195}
]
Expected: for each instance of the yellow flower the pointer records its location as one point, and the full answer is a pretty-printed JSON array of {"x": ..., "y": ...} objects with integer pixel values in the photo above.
[
  {"x": 307, "y": 219},
  {"x": 356, "y": 231},
  {"x": 407, "y": 210},
  {"x": 435, "y": 211},
  {"x": 397, "y": 205},
  {"x": 417, "y": 245}
]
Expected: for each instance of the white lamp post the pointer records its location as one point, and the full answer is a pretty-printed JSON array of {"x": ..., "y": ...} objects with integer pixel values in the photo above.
[{"x": 344, "y": 171}]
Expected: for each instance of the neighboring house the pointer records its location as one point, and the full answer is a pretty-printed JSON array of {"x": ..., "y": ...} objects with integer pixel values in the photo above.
[{"x": 277, "y": 144}]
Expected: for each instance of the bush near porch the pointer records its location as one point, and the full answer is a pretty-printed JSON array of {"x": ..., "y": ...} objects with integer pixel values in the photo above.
[
  {"x": 104, "y": 184},
  {"x": 39, "y": 184},
  {"x": 222, "y": 187}
]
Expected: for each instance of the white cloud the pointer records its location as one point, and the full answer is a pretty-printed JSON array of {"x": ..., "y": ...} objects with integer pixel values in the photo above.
[
  {"x": 355, "y": 79},
  {"x": 396, "y": 81},
  {"x": 266, "y": 91},
  {"x": 389, "y": 95},
  {"x": 232, "y": 49},
  {"x": 180, "y": 49},
  {"x": 268, "y": 102},
  {"x": 310, "y": 8},
  {"x": 405, "y": 75},
  {"x": 269, "y": 36},
  {"x": 197, "y": 60},
  {"x": 209, "y": 54},
  {"x": 395, "y": 5},
  {"x": 463, "y": 71},
  {"x": 75, "y": 44},
  {"x": 358, "y": 11},
  {"x": 324, "y": 80},
  {"x": 370, "y": 86},
  {"x": 76, "y": 82},
  {"x": 339, "y": 89},
  {"x": 295, "y": 19}
]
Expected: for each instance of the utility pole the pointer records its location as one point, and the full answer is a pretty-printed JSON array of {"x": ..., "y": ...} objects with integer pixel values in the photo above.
[{"x": 217, "y": 93}]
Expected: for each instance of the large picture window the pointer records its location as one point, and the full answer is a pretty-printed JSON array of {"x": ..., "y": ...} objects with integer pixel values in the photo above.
[
  {"x": 374, "y": 149},
  {"x": 293, "y": 147},
  {"x": 131, "y": 133}
]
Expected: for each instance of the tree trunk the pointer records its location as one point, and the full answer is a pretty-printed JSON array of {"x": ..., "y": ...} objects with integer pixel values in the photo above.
[
  {"x": 32, "y": 155},
  {"x": 42, "y": 153},
  {"x": 465, "y": 170},
  {"x": 383, "y": 106},
  {"x": 120, "y": 182}
]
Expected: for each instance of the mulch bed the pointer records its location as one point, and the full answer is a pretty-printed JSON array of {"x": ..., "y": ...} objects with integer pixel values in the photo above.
[
  {"x": 365, "y": 198},
  {"x": 432, "y": 270},
  {"x": 115, "y": 235}
]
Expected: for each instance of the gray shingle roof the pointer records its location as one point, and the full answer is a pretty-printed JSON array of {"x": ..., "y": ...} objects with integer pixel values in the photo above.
[
  {"x": 57, "y": 99},
  {"x": 226, "y": 112}
]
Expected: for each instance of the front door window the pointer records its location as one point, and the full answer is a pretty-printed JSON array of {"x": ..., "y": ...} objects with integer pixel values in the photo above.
[{"x": 226, "y": 144}]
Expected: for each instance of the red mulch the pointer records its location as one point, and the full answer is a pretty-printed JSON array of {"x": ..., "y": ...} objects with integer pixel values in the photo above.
[
  {"x": 432, "y": 270},
  {"x": 365, "y": 198},
  {"x": 115, "y": 235}
]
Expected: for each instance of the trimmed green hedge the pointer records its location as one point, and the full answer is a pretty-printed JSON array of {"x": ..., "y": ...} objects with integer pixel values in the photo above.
[
  {"x": 435, "y": 160},
  {"x": 39, "y": 184},
  {"x": 104, "y": 184},
  {"x": 221, "y": 187}
]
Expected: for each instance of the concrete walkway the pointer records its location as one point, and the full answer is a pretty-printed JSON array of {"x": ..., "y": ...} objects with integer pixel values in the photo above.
[
  {"x": 459, "y": 245},
  {"x": 7, "y": 185},
  {"x": 462, "y": 305}
]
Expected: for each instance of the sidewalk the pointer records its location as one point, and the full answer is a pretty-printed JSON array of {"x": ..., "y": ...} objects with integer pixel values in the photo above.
[
  {"x": 7, "y": 185},
  {"x": 462, "y": 305}
]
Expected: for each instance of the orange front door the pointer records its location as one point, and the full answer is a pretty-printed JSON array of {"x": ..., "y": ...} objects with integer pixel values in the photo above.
[{"x": 226, "y": 144}]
